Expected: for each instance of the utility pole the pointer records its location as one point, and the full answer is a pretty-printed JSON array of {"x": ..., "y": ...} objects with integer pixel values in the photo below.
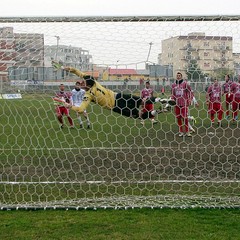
[
  {"x": 149, "y": 51},
  {"x": 117, "y": 69},
  {"x": 56, "y": 54}
]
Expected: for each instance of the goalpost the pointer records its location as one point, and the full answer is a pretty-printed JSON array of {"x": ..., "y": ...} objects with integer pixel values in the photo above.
[{"x": 118, "y": 163}]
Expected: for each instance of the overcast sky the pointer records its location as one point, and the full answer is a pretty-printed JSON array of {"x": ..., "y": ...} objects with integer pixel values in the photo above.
[
  {"x": 118, "y": 7},
  {"x": 122, "y": 43}
]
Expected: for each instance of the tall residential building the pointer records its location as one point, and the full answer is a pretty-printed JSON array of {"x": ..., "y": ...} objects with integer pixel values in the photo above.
[
  {"x": 29, "y": 49},
  {"x": 20, "y": 54},
  {"x": 69, "y": 56},
  {"x": 236, "y": 60},
  {"x": 7, "y": 51},
  {"x": 209, "y": 53}
]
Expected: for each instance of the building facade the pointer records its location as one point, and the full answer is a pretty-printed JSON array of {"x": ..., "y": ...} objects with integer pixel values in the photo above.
[
  {"x": 236, "y": 60},
  {"x": 208, "y": 53},
  {"x": 69, "y": 56},
  {"x": 21, "y": 54},
  {"x": 7, "y": 51}
]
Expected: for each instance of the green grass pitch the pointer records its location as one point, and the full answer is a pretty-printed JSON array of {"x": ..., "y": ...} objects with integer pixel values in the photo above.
[{"x": 116, "y": 157}]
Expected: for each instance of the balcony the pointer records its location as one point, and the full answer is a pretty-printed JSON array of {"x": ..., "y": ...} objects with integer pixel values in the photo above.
[
  {"x": 189, "y": 48},
  {"x": 191, "y": 58},
  {"x": 222, "y": 59},
  {"x": 221, "y": 48}
]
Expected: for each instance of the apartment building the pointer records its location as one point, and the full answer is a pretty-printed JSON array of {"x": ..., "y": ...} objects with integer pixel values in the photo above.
[
  {"x": 69, "y": 56},
  {"x": 29, "y": 49},
  {"x": 236, "y": 60},
  {"x": 209, "y": 53},
  {"x": 20, "y": 54},
  {"x": 7, "y": 51}
]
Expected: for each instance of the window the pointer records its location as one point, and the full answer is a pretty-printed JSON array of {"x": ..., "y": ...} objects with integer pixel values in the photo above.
[
  {"x": 206, "y": 54},
  {"x": 206, "y": 44},
  {"x": 206, "y": 64}
]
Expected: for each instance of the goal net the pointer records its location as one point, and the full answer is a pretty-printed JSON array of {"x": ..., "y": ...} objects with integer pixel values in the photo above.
[{"x": 114, "y": 161}]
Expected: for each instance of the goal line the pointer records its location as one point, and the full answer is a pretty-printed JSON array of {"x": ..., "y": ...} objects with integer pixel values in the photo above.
[{"x": 122, "y": 182}]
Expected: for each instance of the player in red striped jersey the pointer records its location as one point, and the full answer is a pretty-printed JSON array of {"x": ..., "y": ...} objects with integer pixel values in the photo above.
[
  {"x": 235, "y": 90},
  {"x": 62, "y": 110},
  {"x": 147, "y": 93},
  {"x": 213, "y": 99},
  {"x": 229, "y": 95},
  {"x": 182, "y": 94}
]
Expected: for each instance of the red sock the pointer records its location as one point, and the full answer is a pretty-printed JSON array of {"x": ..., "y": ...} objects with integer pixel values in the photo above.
[
  {"x": 70, "y": 121},
  {"x": 220, "y": 115},
  {"x": 60, "y": 119},
  {"x": 186, "y": 124},
  {"x": 235, "y": 113},
  {"x": 212, "y": 117},
  {"x": 179, "y": 121}
]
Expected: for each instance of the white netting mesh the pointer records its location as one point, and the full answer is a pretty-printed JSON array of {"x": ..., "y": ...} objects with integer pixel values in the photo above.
[{"x": 119, "y": 162}]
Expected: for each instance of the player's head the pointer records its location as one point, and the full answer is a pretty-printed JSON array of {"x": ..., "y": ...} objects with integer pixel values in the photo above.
[
  {"x": 147, "y": 84},
  {"x": 215, "y": 81},
  {"x": 179, "y": 76},
  {"x": 61, "y": 87},
  {"x": 89, "y": 80},
  {"x": 227, "y": 77},
  {"x": 77, "y": 85}
]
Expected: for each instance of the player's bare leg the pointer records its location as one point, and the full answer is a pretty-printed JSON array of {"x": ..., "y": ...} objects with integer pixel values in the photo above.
[
  {"x": 60, "y": 119},
  {"x": 70, "y": 121}
]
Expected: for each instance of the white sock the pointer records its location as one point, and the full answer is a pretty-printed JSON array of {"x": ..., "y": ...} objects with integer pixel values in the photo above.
[
  {"x": 80, "y": 120},
  {"x": 154, "y": 112},
  {"x": 88, "y": 121}
]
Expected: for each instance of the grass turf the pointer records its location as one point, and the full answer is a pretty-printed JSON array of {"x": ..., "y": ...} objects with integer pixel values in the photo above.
[{"x": 116, "y": 157}]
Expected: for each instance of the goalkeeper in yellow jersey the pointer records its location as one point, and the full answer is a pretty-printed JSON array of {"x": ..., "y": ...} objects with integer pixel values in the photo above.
[{"x": 124, "y": 104}]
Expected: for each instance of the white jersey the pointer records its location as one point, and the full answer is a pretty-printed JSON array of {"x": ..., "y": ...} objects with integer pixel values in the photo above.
[{"x": 77, "y": 97}]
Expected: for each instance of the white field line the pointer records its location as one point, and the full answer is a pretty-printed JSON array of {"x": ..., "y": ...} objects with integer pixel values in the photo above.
[
  {"x": 122, "y": 182},
  {"x": 120, "y": 148}
]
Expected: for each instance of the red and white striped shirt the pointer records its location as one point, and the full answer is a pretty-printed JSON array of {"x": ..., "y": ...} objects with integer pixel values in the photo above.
[
  {"x": 227, "y": 86},
  {"x": 182, "y": 93},
  {"x": 64, "y": 96},
  {"x": 235, "y": 89},
  {"x": 147, "y": 93},
  {"x": 215, "y": 93}
]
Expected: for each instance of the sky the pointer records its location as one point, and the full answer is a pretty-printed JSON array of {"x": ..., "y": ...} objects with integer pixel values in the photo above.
[
  {"x": 121, "y": 43},
  {"x": 118, "y": 7}
]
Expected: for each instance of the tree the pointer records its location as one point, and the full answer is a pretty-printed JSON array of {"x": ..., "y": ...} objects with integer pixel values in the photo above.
[
  {"x": 193, "y": 72},
  {"x": 221, "y": 72}
]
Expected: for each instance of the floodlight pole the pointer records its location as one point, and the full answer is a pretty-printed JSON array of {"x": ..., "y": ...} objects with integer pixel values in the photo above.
[
  {"x": 56, "y": 55},
  {"x": 117, "y": 69},
  {"x": 149, "y": 51}
]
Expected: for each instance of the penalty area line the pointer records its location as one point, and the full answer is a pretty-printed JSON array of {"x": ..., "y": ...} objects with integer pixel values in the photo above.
[
  {"x": 121, "y": 182},
  {"x": 117, "y": 148}
]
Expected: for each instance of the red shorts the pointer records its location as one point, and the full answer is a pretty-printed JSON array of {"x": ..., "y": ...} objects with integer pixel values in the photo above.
[
  {"x": 61, "y": 110},
  {"x": 148, "y": 107},
  {"x": 236, "y": 104},
  {"x": 229, "y": 98},
  {"x": 181, "y": 112},
  {"x": 214, "y": 107}
]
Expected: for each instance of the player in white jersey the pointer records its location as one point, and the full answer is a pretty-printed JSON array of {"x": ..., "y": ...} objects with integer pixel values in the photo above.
[{"x": 77, "y": 98}]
